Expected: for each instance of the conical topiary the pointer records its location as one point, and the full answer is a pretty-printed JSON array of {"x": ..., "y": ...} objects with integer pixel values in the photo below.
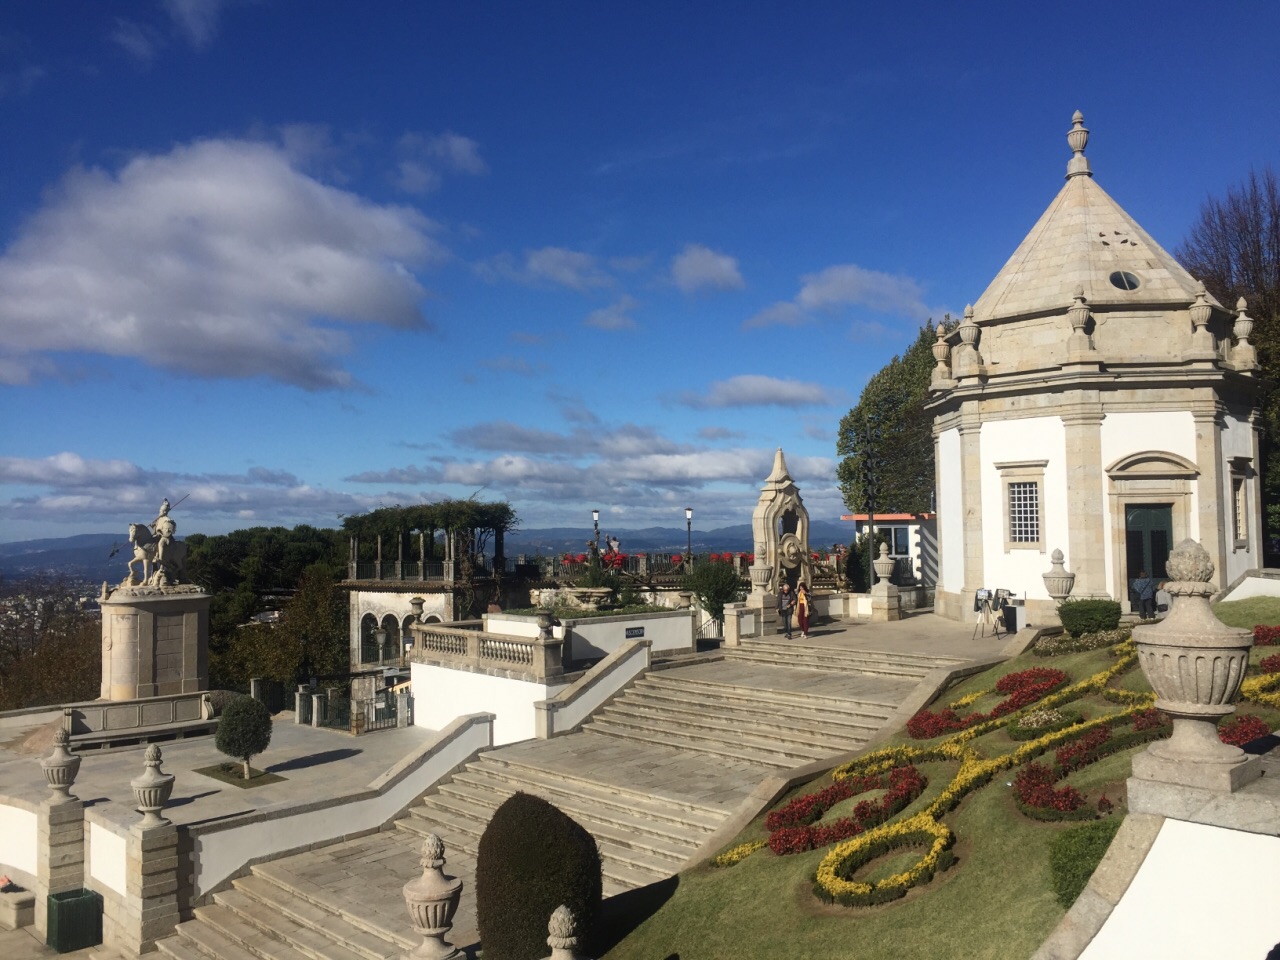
[{"x": 532, "y": 859}]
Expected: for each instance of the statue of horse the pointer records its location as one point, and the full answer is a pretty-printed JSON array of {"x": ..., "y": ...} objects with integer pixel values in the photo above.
[{"x": 158, "y": 567}]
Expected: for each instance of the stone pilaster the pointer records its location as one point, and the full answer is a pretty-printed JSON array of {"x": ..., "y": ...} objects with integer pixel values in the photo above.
[
  {"x": 59, "y": 854},
  {"x": 971, "y": 489},
  {"x": 1086, "y": 506},
  {"x": 150, "y": 908},
  {"x": 886, "y": 604},
  {"x": 1209, "y": 493}
]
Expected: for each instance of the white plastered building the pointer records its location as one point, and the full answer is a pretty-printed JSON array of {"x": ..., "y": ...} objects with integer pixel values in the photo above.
[{"x": 1092, "y": 401}]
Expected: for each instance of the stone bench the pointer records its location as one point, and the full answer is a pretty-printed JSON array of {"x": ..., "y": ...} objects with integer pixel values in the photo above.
[
  {"x": 106, "y": 723},
  {"x": 17, "y": 909}
]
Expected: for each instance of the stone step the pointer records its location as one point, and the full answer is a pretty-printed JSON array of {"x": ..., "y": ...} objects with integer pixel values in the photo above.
[
  {"x": 271, "y": 902},
  {"x": 306, "y": 939},
  {"x": 792, "y": 662},
  {"x": 478, "y": 786},
  {"x": 464, "y": 798},
  {"x": 795, "y": 745},
  {"x": 726, "y": 702},
  {"x": 782, "y": 698},
  {"x": 712, "y": 715},
  {"x": 260, "y": 943},
  {"x": 751, "y": 750},
  {"x": 628, "y": 867},
  {"x": 692, "y": 721},
  {"x": 181, "y": 947},
  {"x": 559, "y": 789},
  {"x": 927, "y": 660}
]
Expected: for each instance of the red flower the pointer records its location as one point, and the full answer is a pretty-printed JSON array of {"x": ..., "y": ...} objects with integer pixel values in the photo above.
[
  {"x": 1266, "y": 636},
  {"x": 792, "y": 828},
  {"x": 1270, "y": 664},
  {"x": 676, "y": 558},
  {"x": 1020, "y": 689},
  {"x": 1034, "y": 788},
  {"x": 1243, "y": 729}
]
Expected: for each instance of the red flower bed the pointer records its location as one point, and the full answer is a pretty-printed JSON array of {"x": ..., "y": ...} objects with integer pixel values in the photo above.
[
  {"x": 1149, "y": 719},
  {"x": 1243, "y": 729},
  {"x": 1266, "y": 636},
  {"x": 1076, "y": 753},
  {"x": 1034, "y": 788},
  {"x": 1270, "y": 664},
  {"x": 793, "y": 829},
  {"x": 1020, "y": 689}
]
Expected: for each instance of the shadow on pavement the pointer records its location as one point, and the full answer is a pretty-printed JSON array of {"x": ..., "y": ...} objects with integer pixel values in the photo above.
[{"x": 314, "y": 759}]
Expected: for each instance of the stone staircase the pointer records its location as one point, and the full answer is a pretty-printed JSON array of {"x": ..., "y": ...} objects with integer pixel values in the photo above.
[
  {"x": 641, "y": 838},
  {"x": 888, "y": 664},
  {"x": 771, "y": 728}
]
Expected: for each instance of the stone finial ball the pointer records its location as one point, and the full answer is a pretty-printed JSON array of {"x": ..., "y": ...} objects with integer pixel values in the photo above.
[
  {"x": 1057, "y": 556},
  {"x": 563, "y": 924},
  {"x": 432, "y": 848},
  {"x": 1189, "y": 563},
  {"x": 61, "y": 738},
  {"x": 153, "y": 753}
]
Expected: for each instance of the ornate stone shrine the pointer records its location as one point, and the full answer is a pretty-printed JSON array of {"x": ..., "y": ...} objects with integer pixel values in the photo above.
[{"x": 780, "y": 529}]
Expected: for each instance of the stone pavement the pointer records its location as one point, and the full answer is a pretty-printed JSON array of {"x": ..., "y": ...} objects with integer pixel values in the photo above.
[{"x": 23, "y": 944}]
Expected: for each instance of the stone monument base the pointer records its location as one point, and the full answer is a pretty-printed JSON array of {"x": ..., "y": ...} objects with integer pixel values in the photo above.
[
  {"x": 1211, "y": 777},
  {"x": 885, "y": 603},
  {"x": 155, "y": 641}
]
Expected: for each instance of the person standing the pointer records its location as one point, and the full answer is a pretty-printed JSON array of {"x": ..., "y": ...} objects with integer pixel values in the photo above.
[
  {"x": 1145, "y": 590},
  {"x": 802, "y": 609},
  {"x": 786, "y": 604}
]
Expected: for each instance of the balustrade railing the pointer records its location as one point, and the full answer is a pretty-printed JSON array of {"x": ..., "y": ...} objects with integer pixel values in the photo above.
[{"x": 468, "y": 644}]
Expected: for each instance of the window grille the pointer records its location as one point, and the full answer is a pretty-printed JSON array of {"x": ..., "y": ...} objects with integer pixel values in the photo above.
[
  {"x": 1239, "y": 512},
  {"x": 1024, "y": 512}
]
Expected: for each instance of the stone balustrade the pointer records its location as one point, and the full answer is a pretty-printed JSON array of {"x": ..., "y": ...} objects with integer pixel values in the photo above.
[{"x": 538, "y": 657}]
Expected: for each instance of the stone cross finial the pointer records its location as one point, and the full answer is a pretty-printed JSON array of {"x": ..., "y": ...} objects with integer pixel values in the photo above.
[{"x": 1077, "y": 138}]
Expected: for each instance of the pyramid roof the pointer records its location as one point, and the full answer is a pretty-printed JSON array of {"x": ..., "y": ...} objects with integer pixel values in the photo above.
[{"x": 1083, "y": 240}]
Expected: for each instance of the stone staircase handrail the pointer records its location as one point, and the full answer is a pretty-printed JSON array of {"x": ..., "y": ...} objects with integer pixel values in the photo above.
[
  {"x": 572, "y": 706},
  {"x": 467, "y": 646}
]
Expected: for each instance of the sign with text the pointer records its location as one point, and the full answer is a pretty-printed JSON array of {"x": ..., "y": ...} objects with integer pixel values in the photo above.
[{"x": 635, "y": 633}]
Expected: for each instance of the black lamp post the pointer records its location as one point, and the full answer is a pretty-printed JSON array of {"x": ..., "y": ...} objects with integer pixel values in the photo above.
[
  {"x": 595, "y": 522},
  {"x": 380, "y": 638},
  {"x": 688, "y": 529}
]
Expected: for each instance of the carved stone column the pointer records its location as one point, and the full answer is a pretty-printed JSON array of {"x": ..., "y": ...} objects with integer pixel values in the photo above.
[
  {"x": 1209, "y": 496},
  {"x": 971, "y": 492},
  {"x": 1086, "y": 498}
]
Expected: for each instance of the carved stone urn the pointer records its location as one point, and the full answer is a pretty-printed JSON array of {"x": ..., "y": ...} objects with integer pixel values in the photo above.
[
  {"x": 432, "y": 899},
  {"x": 884, "y": 563},
  {"x": 545, "y": 622},
  {"x": 152, "y": 789},
  {"x": 563, "y": 939},
  {"x": 1058, "y": 581},
  {"x": 61, "y": 767},
  {"x": 1195, "y": 663}
]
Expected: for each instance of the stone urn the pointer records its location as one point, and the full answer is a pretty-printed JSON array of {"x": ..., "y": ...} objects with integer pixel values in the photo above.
[
  {"x": 61, "y": 767},
  {"x": 432, "y": 899},
  {"x": 883, "y": 564},
  {"x": 1195, "y": 664},
  {"x": 545, "y": 621},
  {"x": 152, "y": 789},
  {"x": 1058, "y": 581},
  {"x": 563, "y": 939}
]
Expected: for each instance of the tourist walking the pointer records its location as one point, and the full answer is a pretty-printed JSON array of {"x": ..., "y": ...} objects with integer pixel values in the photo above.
[
  {"x": 786, "y": 604},
  {"x": 1145, "y": 590},
  {"x": 802, "y": 609}
]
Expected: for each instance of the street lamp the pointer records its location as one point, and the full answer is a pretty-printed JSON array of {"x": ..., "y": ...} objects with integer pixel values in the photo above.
[
  {"x": 688, "y": 529},
  {"x": 595, "y": 522},
  {"x": 380, "y": 638}
]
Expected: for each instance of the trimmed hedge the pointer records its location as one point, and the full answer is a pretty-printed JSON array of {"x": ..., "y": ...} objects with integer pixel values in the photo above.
[
  {"x": 1089, "y": 616},
  {"x": 532, "y": 859},
  {"x": 244, "y": 730},
  {"x": 1074, "y": 854}
]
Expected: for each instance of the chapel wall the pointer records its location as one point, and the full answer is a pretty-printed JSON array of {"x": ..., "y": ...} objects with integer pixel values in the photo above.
[{"x": 950, "y": 512}]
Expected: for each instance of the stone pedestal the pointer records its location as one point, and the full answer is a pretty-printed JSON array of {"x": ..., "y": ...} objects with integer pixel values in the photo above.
[
  {"x": 60, "y": 853},
  {"x": 885, "y": 602},
  {"x": 149, "y": 910},
  {"x": 155, "y": 642}
]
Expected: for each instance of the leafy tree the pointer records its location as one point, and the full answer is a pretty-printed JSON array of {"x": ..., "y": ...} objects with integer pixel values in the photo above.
[
  {"x": 715, "y": 585},
  {"x": 244, "y": 730},
  {"x": 1234, "y": 247},
  {"x": 62, "y": 663},
  {"x": 888, "y": 436}
]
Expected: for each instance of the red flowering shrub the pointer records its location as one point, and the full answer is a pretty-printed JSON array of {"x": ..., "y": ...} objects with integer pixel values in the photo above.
[
  {"x": 1033, "y": 786},
  {"x": 927, "y": 724},
  {"x": 1149, "y": 719},
  {"x": 1076, "y": 754},
  {"x": 793, "y": 829},
  {"x": 1243, "y": 729},
  {"x": 1020, "y": 689},
  {"x": 1270, "y": 664},
  {"x": 677, "y": 558},
  {"x": 1266, "y": 636},
  {"x": 1105, "y": 806}
]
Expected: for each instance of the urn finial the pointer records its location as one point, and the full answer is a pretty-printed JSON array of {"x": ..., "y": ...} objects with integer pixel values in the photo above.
[
  {"x": 152, "y": 789},
  {"x": 1077, "y": 139},
  {"x": 61, "y": 767}
]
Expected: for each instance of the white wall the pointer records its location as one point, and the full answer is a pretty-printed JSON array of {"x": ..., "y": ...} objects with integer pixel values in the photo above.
[
  {"x": 222, "y": 849},
  {"x": 1181, "y": 904},
  {"x": 575, "y": 704},
  {"x": 1251, "y": 587},
  {"x": 600, "y": 636},
  {"x": 18, "y": 838},
  {"x": 108, "y": 858},
  {"x": 1005, "y": 441},
  {"x": 950, "y": 513},
  {"x": 440, "y": 695}
]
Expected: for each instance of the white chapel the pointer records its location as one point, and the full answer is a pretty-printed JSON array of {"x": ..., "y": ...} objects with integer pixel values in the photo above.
[{"x": 1095, "y": 400}]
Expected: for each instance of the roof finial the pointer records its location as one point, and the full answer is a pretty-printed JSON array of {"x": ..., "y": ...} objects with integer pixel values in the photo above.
[{"x": 1077, "y": 138}]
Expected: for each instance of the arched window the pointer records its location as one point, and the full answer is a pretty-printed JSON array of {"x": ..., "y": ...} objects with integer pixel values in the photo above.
[{"x": 368, "y": 642}]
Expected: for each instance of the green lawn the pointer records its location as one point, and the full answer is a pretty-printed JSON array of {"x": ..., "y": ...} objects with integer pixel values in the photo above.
[
  {"x": 1249, "y": 613},
  {"x": 997, "y": 901}
]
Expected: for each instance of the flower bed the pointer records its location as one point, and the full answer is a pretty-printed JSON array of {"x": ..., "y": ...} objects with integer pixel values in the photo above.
[
  {"x": 1270, "y": 664},
  {"x": 1057, "y": 646},
  {"x": 1020, "y": 689},
  {"x": 737, "y": 854},
  {"x": 1036, "y": 796},
  {"x": 1266, "y": 636},
  {"x": 1243, "y": 729},
  {"x": 794, "y": 829},
  {"x": 1039, "y": 722}
]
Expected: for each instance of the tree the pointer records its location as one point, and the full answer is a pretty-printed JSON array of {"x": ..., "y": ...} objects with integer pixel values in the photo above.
[
  {"x": 244, "y": 730},
  {"x": 890, "y": 430},
  {"x": 1234, "y": 248},
  {"x": 714, "y": 584}
]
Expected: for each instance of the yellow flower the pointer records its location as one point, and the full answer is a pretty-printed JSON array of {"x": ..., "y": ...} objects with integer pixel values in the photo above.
[{"x": 738, "y": 853}]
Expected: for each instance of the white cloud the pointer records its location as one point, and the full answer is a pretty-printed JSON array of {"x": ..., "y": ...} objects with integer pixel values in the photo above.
[
  {"x": 556, "y": 266},
  {"x": 197, "y": 20},
  {"x": 65, "y": 470},
  {"x": 701, "y": 268},
  {"x": 140, "y": 41},
  {"x": 848, "y": 285},
  {"x": 217, "y": 259},
  {"x": 424, "y": 156},
  {"x": 757, "y": 390},
  {"x": 615, "y": 316}
]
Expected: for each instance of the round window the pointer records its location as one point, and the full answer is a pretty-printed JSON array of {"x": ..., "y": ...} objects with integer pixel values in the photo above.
[{"x": 1124, "y": 280}]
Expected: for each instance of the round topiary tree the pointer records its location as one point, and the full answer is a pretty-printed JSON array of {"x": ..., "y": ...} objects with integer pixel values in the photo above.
[
  {"x": 244, "y": 730},
  {"x": 532, "y": 859}
]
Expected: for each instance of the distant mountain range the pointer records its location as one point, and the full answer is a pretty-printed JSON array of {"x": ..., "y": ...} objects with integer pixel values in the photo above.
[{"x": 86, "y": 556}]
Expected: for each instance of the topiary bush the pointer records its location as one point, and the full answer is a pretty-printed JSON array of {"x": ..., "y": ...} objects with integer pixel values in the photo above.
[
  {"x": 532, "y": 859},
  {"x": 1074, "y": 855},
  {"x": 244, "y": 730},
  {"x": 1089, "y": 616}
]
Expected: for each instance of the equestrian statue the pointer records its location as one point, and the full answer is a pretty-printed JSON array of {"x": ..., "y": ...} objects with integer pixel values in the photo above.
[{"x": 162, "y": 557}]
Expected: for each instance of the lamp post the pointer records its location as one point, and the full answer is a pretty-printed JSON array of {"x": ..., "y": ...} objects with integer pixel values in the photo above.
[
  {"x": 688, "y": 529},
  {"x": 595, "y": 522},
  {"x": 380, "y": 638}
]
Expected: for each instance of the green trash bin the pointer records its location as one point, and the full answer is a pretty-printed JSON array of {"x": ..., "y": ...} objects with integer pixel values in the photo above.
[{"x": 75, "y": 920}]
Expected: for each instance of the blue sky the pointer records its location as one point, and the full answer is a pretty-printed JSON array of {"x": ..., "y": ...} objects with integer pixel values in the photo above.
[{"x": 300, "y": 259}]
